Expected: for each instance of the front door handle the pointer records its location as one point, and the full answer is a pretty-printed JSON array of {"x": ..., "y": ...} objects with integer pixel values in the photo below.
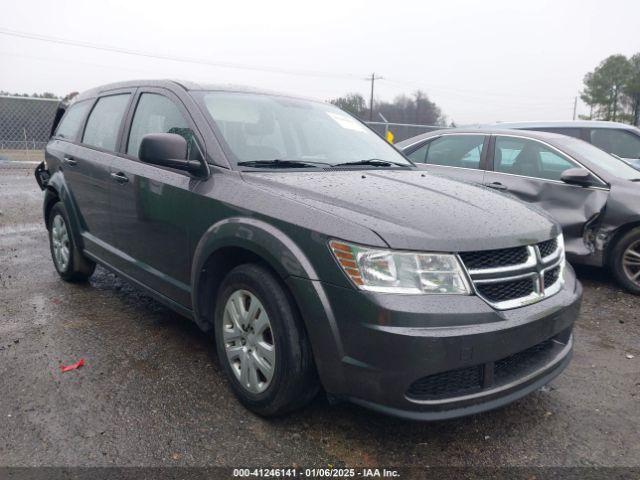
[
  {"x": 69, "y": 161},
  {"x": 497, "y": 186},
  {"x": 120, "y": 177}
]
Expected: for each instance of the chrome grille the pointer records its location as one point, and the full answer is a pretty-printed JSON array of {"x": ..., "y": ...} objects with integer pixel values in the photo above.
[
  {"x": 499, "y": 292},
  {"x": 508, "y": 278},
  {"x": 494, "y": 258},
  {"x": 551, "y": 276},
  {"x": 548, "y": 248}
]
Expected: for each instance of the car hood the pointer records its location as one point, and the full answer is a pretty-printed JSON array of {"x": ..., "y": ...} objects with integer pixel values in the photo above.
[
  {"x": 414, "y": 210},
  {"x": 634, "y": 162}
]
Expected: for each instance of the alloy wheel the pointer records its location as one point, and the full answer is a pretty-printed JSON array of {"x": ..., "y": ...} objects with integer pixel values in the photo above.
[
  {"x": 248, "y": 341},
  {"x": 631, "y": 262},
  {"x": 60, "y": 242}
]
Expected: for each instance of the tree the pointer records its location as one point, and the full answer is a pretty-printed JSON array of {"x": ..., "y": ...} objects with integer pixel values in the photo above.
[
  {"x": 69, "y": 96},
  {"x": 605, "y": 88},
  {"x": 632, "y": 88},
  {"x": 416, "y": 109},
  {"x": 403, "y": 109},
  {"x": 353, "y": 103},
  {"x": 33, "y": 95}
]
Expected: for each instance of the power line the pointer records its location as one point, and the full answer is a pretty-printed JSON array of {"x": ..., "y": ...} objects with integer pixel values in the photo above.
[{"x": 140, "y": 53}]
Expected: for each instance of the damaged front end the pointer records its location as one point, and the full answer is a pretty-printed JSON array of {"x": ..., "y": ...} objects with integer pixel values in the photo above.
[{"x": 42, "y": 175}]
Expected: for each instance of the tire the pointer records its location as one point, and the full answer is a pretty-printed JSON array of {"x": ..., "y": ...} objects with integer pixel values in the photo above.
[
  {"x": 292, "y": 381},
  {"x": 625, "y": 261},
  {"x": 74, "y": 266}
]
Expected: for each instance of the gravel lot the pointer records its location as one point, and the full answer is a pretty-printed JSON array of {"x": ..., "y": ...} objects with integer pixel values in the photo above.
[{"x": 152, "y": 394}]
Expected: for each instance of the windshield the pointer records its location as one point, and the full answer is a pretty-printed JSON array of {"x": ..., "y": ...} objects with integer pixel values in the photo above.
[
  {"x": 602, "y": 159},
  {"x": 259, "y": 128}
]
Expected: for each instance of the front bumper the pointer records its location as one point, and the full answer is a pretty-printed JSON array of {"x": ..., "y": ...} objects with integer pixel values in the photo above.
[{"x": 436, "y": 357}]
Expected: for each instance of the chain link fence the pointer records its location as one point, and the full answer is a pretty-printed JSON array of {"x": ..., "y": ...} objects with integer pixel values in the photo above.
[
  {"x": 401, "y": 131},
  {"x": 25, "y": 126}
]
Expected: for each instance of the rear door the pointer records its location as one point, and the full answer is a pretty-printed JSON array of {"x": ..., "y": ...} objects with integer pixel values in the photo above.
[
  {"x": 461, "y": 156},
  {"x": 530, "y": 170},
  {"x": 87, "y": 164},
  {"x": 152, "y": 206}
]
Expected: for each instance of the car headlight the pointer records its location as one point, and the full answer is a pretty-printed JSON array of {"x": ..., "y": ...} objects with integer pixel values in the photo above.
[{"x": 390, "y": 271}]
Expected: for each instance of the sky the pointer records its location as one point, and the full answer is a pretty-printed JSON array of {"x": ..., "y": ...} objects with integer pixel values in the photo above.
[{"x": 480, "y": 61}]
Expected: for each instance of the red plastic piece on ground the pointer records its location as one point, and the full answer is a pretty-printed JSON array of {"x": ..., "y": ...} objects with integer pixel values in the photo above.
[{"x": 73, "y": 366}]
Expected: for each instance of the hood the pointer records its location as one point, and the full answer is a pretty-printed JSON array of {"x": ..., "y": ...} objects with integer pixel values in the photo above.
[
  {"x": 634, "y": 162},
  {"x": 414, "y": 210}
]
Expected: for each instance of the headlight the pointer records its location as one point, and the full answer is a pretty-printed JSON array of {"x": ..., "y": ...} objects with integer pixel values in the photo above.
[{"x": 391, "y": 271}]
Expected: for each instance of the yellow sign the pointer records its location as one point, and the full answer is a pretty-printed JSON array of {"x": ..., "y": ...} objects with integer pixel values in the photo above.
[{"x": 389, "y": 136}]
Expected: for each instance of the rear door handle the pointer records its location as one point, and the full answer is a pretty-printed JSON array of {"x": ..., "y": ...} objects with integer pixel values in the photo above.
[
  {"x": 120, "y": 177},
  {"x": 69, "y": 161},
  {"x": 497, "y": 186}
]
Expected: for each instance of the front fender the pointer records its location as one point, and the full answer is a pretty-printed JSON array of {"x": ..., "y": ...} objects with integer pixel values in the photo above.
[
  {"x": 292, "y": 265},
  {"x": 256, "y": 236}
]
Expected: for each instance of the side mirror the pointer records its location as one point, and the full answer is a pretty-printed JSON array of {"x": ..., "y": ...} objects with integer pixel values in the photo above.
[
  {"x": 167, "y": 150},
  {"x": 577, "y": 176}
]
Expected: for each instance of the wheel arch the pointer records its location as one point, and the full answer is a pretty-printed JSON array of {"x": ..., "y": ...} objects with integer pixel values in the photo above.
[
  {"x": 616, "y": 236},
  {"x": 58, "y": 191},
  {"x": 232, "y": 242}
]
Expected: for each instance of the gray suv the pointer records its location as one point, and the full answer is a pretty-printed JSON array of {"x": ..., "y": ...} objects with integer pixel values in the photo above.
[{"x": 314, "y": 252}]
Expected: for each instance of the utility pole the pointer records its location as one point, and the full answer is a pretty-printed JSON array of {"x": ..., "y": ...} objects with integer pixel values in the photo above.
[
  {"x": 575, "y": 107},
  {"x": 372, "y": 79}
]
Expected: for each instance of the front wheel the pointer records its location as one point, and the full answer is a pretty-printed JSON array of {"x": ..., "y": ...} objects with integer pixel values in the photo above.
[
  {"x": 626, "y": 261},
  {"x": 70, "y": 262},
  {"x": 262, "y": 344}
]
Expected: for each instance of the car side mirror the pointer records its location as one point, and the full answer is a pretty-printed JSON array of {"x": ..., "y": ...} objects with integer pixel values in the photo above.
[
  {"x": 577, "y": 176},
  {"x": 167, "y": 150}
]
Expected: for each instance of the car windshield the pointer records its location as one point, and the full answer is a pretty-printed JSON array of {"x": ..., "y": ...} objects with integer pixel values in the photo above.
[
  {"x": 259, "y": 129},
  {"x": 602, "y": 159}
]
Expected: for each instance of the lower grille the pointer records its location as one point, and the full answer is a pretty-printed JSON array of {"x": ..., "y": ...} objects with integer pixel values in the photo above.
[
  {"x": 509, "y": 368},
  {"x": 468, "y": 380},
  {"x": 503, "y": 291},
  {"x": 447, "y": 384}
]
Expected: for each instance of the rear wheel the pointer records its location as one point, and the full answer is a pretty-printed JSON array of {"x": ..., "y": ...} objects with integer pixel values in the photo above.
[
  {"x": 262, "y": 344},
  {"x": 70, "y": 262},
  {"x": 626, "y": 261}
]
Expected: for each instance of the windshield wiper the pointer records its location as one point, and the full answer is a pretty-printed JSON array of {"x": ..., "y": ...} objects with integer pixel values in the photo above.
[
  {"x": 277, "y": 163},
  {"x": 374, "y": 162}
]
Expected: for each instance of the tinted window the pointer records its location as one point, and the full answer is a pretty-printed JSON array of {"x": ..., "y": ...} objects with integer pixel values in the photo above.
[
  {"x": 104, "y": 122},
  {"x": 420, "y": 155},
  {"x": 521, "y": 156},
  {"x": 157, "y": 114},
  {"x": 72, "y": 120},
  {"x": 586, "y": 152},
  {"x": 455, "y": 151},
  {"x": 267, "y": 127},
  {"x": 569, "y": 132},
  {"x": 624, "y": 144}
]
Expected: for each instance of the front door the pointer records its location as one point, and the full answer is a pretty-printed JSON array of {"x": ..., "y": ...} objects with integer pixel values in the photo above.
[
  {"x": 530, "y": 170},
  {"x": 151, "y": 206},
  {"x": 459, "y": 156}
]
